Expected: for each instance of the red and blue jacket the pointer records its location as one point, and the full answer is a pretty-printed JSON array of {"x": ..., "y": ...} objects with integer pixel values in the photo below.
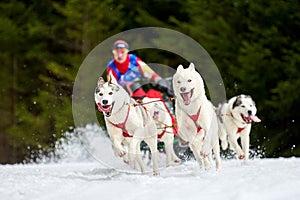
[{"x": 130, "y": 71}]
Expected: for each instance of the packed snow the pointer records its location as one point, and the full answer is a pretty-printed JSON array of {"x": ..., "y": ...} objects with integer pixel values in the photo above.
[{"x": 83, "y": 166}]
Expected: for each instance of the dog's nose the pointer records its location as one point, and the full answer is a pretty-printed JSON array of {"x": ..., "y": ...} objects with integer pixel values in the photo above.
[
  {"x": 249, "y": 112},
  {"x": 104, "y": 102},
  {"x": 182, "y": 89}
]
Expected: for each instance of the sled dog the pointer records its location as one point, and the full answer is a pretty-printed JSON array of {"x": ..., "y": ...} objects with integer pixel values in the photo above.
[
  {"x": 235, "y": 118},
  {"x": 164, "y": 126},
  {"x": 196, "y": 117},
  {"x": 126, "y": 124}
]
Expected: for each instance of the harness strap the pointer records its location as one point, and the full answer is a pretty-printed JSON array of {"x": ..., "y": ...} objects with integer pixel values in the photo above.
[
  {"x": 240, "y": 130},
  {"x": 123, "y": 124},
  {"x": 159, "y": 136},
  {"x": 194, "y": 119}
]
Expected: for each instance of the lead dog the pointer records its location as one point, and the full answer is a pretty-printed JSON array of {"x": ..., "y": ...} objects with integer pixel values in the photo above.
[
  {"x": 126, "y": 124},
  {"x": 235, "y": 118},
  {"x": 196, "y": 117}
]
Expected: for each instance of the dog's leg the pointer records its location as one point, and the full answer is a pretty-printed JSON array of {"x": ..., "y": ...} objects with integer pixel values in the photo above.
[
  {"x": 168, "y": 140},
  {"x": 174, "y": 157},
  {"x": 152, "y": 143},
  {"x": 234, "y": 144},
  {"x": 223, "y": 136},
  {"x": 196, "y": 146},
  {"x": 139, "y": 160},
  {"x": 216, "y": 150},
  {"x": 132, "y": 153},
  {"x": 245, "y": 141},
  {"x": 117, "y": 140}
]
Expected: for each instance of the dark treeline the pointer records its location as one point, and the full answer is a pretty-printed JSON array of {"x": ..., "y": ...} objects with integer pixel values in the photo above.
[{"x": 255, "y": 45}]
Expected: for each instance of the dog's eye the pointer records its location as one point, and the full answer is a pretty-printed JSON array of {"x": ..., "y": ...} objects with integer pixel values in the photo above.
[
  {"x": 243, "y": 106},
  {"x": 190, "y": 80},
  {"x": 110, "y": 93},
  {"x": 100, "y": 94},
  {"x": 179, "y": 82}
]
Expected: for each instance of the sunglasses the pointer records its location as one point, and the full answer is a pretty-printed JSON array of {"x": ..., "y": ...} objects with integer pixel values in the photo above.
[{"x": 119, "y": 50}]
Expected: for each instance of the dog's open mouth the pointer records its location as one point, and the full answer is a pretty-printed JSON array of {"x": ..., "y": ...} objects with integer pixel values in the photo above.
[
  {"x": 187, "y": 96},
  {"x": 107, "y": 109},
  {"x": 250, "y": 118}
]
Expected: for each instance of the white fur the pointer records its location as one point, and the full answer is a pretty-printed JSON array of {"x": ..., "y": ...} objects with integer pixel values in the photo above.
[
  {"x": 189, "y": 81},
  {"x": 164, "y": 125},
  {"x": 140, "y": 124},
  {"x": 230, "y": 120}
]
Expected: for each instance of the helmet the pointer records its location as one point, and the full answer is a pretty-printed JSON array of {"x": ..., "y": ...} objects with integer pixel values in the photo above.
[{"x": 120, "y": 44}]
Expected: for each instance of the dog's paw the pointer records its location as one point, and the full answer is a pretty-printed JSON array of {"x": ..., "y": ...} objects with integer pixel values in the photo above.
[
  {"x": 156, "y": 173},
  {"x": 204, "y": 154},
  {"x": 241, "y": 156},
  {"x": 122, "y": 153},
  {"x": 125, "y": 160}
]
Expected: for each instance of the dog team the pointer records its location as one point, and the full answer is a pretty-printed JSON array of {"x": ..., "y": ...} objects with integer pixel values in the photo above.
[{"x": 129, "y": 120}]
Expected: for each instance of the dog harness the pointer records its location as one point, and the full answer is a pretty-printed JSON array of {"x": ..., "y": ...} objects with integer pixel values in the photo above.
[
  {"x": 123, "y": 125},
  {"x": 194, "y": 119},
  {"x": 240, "y": 130}
]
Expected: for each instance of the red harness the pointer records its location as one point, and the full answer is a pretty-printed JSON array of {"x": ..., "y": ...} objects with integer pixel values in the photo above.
[
  {"x": 159, "y": 136},
  {"x": 123, "y": 125},
  {"x": 194, "y": 119},
  {"x": 240, "y": 130}
]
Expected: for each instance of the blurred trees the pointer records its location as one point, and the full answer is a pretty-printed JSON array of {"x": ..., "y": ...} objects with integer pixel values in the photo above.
[
  {"x": 42, "y": 44},
  {"x": 256, "y": 47}
]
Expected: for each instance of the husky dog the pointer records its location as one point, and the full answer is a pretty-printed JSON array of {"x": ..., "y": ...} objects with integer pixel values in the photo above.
[
  {"x": 196, "y": 117},
  {"x": 164, "y": 125},
  {"x": 126, "y": 124},
  {"x": 235, "y": 119}
]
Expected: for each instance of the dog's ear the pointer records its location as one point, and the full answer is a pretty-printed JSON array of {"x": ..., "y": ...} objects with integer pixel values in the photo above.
[
  {"x": 112, "y": 79},
  {"x": 192, "y": 67},
  {"x": 100, "y": 82},
  {"x": 237, "y": 102},
  {"x": 180, "y": 68}
]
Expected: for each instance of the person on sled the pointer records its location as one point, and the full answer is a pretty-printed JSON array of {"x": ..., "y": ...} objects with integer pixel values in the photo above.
[{"x": 129, "y": 70}]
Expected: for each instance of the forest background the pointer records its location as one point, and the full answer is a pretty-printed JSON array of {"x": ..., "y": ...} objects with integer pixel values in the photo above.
[{"x": 255, "y": 45}]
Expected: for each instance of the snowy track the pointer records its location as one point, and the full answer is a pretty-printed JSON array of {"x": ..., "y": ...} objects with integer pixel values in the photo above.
[
  {"x": 256, "y": 179},
  {"x": 78, "y": 176}
]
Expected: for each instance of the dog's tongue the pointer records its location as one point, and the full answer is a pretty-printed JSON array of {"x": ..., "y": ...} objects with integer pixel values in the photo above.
[
  {"x": 186, "y": 98},
  {"x": 255, "y": 118}
]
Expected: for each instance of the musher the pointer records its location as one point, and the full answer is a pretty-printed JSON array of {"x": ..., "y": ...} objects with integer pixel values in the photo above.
[{"x": 129, "y": 70}]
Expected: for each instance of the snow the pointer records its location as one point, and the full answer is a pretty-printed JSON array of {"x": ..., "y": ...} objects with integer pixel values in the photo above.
[{"x": 84, "y": 167}]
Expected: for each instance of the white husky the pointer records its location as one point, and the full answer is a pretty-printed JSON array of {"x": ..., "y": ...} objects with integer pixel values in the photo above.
[
  {"x": 196, "y": 117},
  {"x": 164, "y": 125},
  {"x": 235, "y": 119},
  {"x": 126, "y": 123}
]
